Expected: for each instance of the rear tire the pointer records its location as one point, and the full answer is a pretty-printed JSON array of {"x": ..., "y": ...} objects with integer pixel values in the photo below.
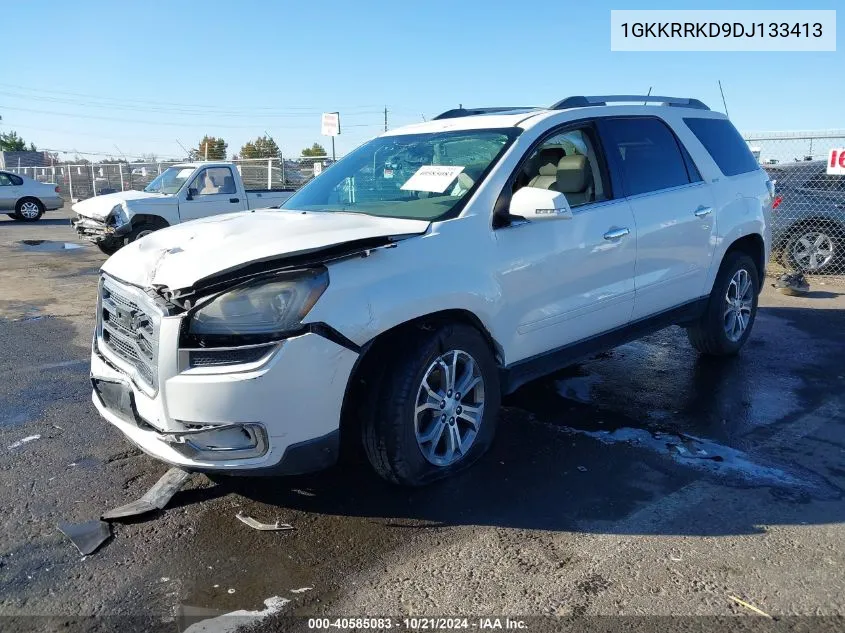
[
  {"x": 813, "y": 249},
  {"x": 29, "y": 210},
  {"x": 418, "y": 414},
  {"x": 731, "y": 309}
]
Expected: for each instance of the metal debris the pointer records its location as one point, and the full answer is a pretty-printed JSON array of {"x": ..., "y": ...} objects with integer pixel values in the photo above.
[
  {"x": 87, "y": 537},
  {"x": 155, "y": 498},
  {"x": 583, "y": 469},
  {"x": 264, "y": 527},
  {"x": 25, "y": 440}
]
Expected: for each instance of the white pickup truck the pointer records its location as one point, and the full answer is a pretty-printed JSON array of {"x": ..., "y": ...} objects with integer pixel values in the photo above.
[{"x": 180, "y": 193}]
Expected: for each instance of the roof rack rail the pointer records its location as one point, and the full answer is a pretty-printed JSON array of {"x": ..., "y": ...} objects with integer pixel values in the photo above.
[
  {"x": 461, "y": 112},
  {"x": 583, "y": 102}
]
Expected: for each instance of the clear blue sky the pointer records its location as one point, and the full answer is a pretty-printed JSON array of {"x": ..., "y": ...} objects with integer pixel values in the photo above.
[{"x": 90, "y": 76}]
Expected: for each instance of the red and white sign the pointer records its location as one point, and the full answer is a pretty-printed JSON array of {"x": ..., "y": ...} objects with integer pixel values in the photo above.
[
  {"x": 836, "y": 162},
  {"x": 331, "y": 123}
]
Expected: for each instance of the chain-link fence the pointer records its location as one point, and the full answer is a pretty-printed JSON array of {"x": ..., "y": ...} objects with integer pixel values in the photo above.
[
  {"x": 808, "y": 218},
  {"x": 81, "y": 181}
]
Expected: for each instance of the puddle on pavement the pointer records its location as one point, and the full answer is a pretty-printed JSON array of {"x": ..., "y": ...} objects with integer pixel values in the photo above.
[
  {"x": 714, "y": 458},
  {"x": 48, "y": 246}
]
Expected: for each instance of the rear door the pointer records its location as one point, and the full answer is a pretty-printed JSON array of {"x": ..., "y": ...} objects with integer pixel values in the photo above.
[
  {"x": 673, "y": 210},
  {"x": 10, "y": 191},
  {"x": 213, "y": 191}
]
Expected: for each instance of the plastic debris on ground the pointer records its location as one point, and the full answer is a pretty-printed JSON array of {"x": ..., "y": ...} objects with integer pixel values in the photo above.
[
  {"x": 155, "y": 498},
  {"x": 23, "y": 441},
  {"x": 264, "y": 527},
  {"x": 87, "y": 537},
  {"x": 750, "y": 607}
]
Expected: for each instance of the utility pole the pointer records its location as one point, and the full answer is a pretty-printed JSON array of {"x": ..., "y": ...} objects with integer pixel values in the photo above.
[{"x": 385, "y": 118}]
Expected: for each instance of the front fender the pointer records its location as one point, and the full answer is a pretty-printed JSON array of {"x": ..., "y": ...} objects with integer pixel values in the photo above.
[
  {"x": 166, "y": 209},
  {"x": 369, "y": 296}
]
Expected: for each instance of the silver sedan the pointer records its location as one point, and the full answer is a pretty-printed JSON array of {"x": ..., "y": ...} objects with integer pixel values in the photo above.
[{"x": 25, "y": 199}]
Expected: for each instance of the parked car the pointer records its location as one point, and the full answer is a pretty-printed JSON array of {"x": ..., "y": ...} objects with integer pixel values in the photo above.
[
  {"x": 808, "y": 218},
  {"x": 394, "y": 299},
  {"x": 25, "y": 199},
  {"x": 180, "y": 193}
]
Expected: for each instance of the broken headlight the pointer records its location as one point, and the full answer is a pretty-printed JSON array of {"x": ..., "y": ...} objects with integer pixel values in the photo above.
[{"x": 268, "y": 307}]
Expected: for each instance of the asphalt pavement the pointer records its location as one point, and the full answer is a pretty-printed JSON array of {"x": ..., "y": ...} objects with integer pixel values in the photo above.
[{"x": 646, "y": 481}]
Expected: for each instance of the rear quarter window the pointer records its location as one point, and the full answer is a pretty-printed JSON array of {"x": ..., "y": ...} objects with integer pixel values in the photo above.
[{"x": 724, "y": 144}]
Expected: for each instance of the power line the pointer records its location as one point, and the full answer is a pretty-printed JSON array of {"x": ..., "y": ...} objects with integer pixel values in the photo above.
[
  {"x": 156, "y": 123},
  {"x": 210, "y": 108}
]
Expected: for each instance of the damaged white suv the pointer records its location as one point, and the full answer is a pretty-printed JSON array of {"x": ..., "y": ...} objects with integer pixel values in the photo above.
[{"x": 393, "y": 300}]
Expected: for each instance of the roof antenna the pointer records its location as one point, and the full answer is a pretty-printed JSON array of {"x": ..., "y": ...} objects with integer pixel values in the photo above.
[
  {"x": 648, "y": 95},
  {"x": 723, "y": 99}
]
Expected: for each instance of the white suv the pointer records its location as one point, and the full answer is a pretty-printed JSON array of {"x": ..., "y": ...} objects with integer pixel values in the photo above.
[{"x": 393, "y": 300}]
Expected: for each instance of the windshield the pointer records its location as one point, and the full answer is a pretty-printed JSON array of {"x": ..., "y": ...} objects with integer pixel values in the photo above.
[
  {"x": 417, "y": 176},
  {"x": 170, "y": 180}
]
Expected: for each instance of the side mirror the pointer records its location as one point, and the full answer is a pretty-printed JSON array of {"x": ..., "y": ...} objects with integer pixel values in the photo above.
[
  {"x": 538, "y": 205},
  {"x": 192, "y": 192}
]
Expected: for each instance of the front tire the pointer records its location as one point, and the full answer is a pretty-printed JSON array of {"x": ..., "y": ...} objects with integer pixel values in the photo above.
[
  {"x": 110, "y": 247},
  {"x": 731, "y": 309},
  {"x": 29, "y": 210},
  {"x": 436, "y": 409}
]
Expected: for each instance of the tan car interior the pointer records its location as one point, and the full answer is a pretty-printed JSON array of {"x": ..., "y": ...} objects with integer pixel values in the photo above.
[{"x": 563, "y": 166}]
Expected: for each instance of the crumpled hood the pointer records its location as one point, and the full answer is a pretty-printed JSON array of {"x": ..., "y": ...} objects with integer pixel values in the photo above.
[
  {"x": 99, "y": 207},
  {"x": 180, "y": 256}
]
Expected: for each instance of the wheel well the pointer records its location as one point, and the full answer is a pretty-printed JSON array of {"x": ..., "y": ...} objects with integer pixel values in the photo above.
[
  {"x": 359, "y": 398},
  {"x": 752, "y": 245},
  {"x": 25, "y": 198},
  {"x": 152, "y": 220}
]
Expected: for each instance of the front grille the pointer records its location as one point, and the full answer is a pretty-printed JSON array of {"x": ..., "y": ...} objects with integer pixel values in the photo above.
[
  {"x": 216, "y": 358},
  {"x": 128, "y": 327}
]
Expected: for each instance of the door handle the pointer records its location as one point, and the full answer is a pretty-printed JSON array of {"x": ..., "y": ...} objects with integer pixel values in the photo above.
[
  {"x": 703, "y": 212},
  {"x": 233, "y": 200},
  {"x": 615, "y": 234}
]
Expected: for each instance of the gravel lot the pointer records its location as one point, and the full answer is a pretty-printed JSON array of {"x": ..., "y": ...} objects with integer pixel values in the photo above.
[{"x": 647, "y": 481}]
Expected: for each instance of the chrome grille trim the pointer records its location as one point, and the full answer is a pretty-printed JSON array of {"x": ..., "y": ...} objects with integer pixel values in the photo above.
[{"x": 128, "y": 331}]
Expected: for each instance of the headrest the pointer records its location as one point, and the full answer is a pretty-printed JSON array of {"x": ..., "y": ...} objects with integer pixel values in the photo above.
[
  {"x": 547, "y": 160},
  {"x": 573, "y": 174}
]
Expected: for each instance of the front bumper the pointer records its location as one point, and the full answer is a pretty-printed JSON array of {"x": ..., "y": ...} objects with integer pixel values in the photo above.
[
  {"x": 280, "y": 417},
  {"x": 97, "y": 231}
]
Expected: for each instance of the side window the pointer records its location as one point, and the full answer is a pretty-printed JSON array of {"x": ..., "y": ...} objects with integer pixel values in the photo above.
[
  {"x": 826, "y": 182},
  {"x": 214, "y": 180},
  {"x": 567, "y": 163},
  {"x": 5, "y": 180},
  {"x": 724, "y": 144},
  {"x": 647, "y": 154}
]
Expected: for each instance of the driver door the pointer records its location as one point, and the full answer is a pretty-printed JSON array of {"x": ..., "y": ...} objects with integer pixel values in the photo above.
[
  {"x": 212, "y": 192},
  {"x": 567, "y": 280}
]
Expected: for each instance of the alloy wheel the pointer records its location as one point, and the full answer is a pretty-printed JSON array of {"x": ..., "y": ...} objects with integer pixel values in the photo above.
[
  {"x": 449, "y": 408},
  {"x": 812, "y": 251},
  {"x": 739, "y": 300},
  {"x": 29, "y": 210}
]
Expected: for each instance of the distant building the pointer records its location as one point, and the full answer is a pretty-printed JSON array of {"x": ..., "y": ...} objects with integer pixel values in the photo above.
[{"x": 12, "y": 160}]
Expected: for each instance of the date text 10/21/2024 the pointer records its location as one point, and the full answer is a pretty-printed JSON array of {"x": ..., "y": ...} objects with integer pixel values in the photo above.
[{"x": 417, "y": 623}]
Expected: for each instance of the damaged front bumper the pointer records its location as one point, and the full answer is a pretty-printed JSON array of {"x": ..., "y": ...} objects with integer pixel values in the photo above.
[
  {"x": 282, "y": 417},
  {"x": 97, "y": 231}
]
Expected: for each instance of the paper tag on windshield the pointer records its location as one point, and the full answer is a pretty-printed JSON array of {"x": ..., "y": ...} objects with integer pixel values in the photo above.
[{"x": 432, "y": 178}]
